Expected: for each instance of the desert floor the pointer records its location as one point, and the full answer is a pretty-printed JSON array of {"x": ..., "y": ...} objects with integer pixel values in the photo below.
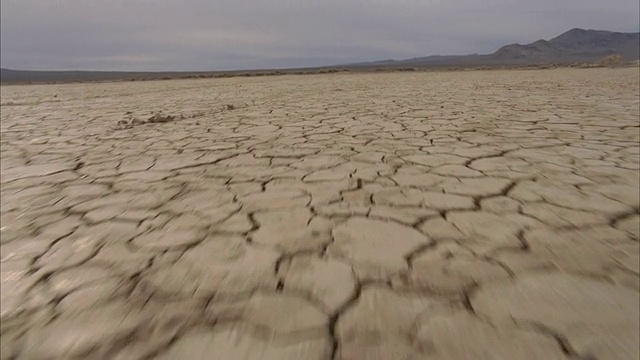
[{"x": 460, "y": 215}]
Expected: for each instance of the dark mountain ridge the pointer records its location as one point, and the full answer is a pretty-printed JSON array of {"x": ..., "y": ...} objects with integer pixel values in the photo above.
[{"x": 575, "y": 45}]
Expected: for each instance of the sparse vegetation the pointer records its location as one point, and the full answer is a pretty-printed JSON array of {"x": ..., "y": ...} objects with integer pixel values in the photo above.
[{"x": 612, "y": 61}]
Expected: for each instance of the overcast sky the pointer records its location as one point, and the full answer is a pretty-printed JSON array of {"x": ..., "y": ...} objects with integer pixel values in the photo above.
[{"x": 246, "y": 34}]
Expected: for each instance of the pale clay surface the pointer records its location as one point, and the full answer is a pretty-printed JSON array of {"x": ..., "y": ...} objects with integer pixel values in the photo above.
[{"x": 463, "y": 215}]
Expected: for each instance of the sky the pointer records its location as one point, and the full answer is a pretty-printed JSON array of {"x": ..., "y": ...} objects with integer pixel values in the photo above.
[{"x": 204, "y": 35}]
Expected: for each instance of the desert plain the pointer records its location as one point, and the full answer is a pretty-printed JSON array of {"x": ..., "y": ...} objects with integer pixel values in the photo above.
[{"x": 430, "y": 215}]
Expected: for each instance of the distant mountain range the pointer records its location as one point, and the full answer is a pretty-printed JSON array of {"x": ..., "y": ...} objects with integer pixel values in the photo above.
[{"x": 574, "y": 46}]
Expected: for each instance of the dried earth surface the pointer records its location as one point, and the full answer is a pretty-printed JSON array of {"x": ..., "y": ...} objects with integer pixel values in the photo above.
[{"x": 464, "y": 215}]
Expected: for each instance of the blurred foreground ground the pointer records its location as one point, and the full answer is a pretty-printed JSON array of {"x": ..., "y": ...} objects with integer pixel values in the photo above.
[{"x": 462, "y": 215}]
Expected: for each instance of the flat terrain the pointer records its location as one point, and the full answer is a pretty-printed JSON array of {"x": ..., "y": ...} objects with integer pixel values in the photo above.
[{"x": 461, "y": 215}]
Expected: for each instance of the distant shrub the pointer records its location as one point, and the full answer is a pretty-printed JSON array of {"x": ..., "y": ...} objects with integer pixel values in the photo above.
[{"x": 612, "y": 60}]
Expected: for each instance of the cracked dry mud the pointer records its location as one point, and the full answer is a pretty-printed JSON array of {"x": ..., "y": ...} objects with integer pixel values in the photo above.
[{"x": 465, "y": 215}]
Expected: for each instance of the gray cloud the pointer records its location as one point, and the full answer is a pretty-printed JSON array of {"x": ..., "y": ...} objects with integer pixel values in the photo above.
[{"x": 244, "y": 34}]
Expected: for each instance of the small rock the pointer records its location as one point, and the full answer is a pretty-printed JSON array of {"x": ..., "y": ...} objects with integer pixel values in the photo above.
[{"x": 160, "y": 118}]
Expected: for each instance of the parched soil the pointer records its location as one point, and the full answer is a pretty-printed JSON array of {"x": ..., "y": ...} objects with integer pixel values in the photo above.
[{"x": 457, "y": 215}]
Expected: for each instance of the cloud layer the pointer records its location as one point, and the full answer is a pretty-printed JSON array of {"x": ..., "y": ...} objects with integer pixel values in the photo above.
[{"x": 247, "y": 34}]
